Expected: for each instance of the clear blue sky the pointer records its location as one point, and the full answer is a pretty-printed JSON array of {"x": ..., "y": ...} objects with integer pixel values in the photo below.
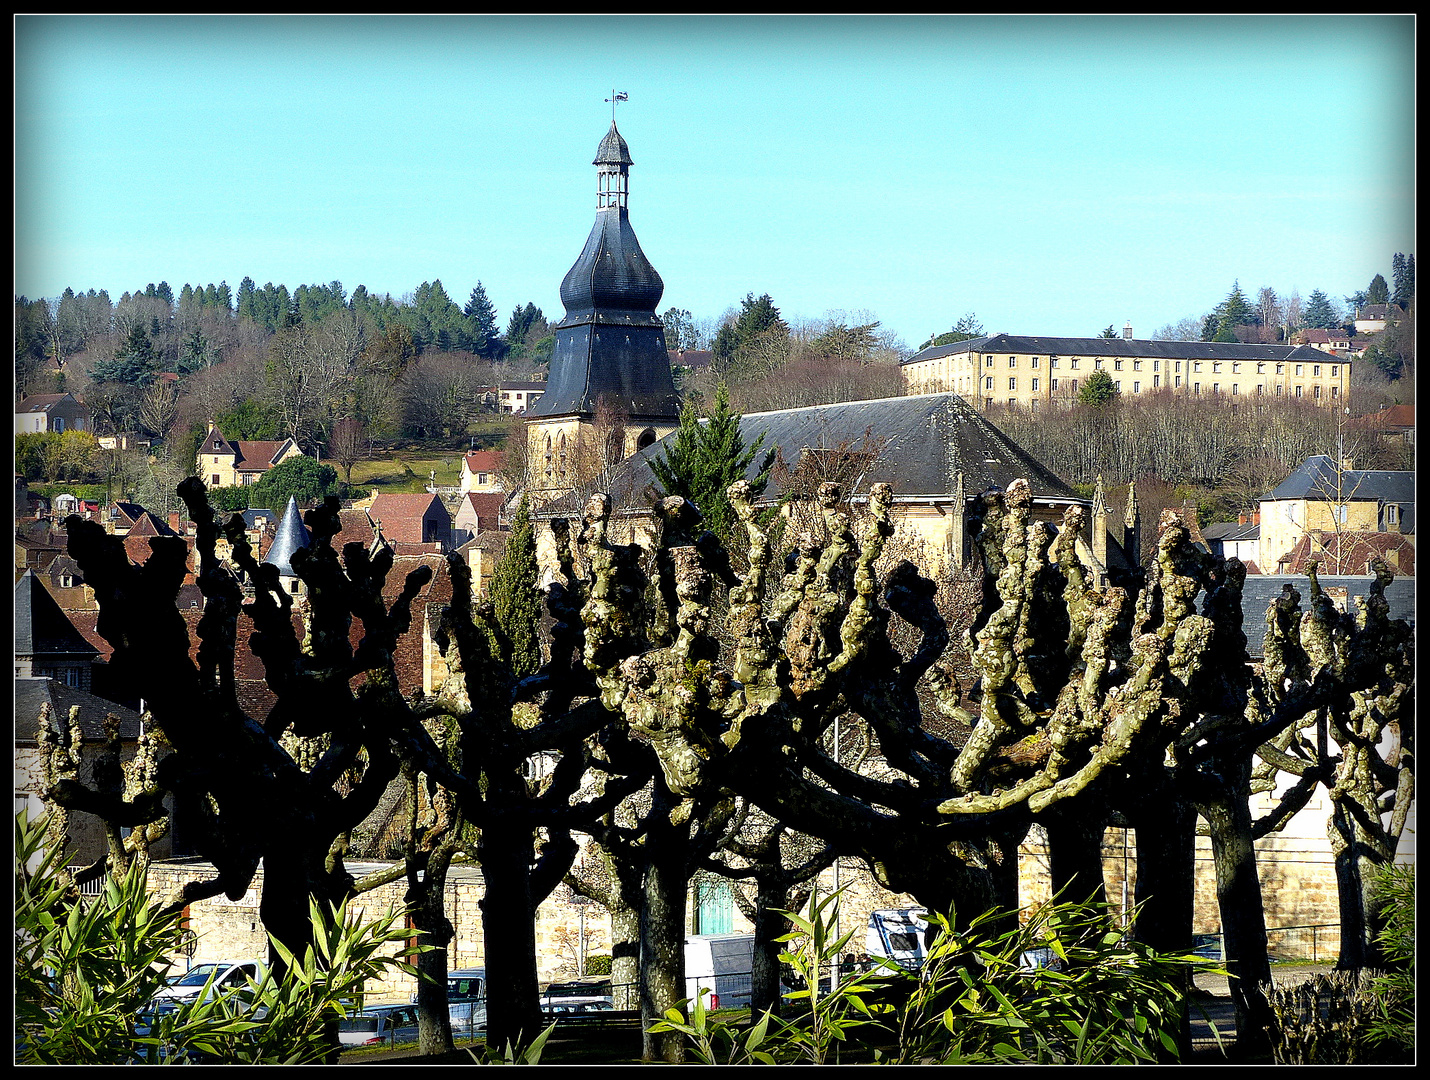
[{"x": 1052, "y": 175}]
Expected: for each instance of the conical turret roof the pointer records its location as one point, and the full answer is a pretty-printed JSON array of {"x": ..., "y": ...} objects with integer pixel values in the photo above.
[
  {"x": 292, "y": 535},
  {"x": 613, "y": 149}
]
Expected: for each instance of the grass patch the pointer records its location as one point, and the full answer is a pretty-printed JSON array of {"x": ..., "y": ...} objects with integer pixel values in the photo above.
[{"x": 402, "y": 471}]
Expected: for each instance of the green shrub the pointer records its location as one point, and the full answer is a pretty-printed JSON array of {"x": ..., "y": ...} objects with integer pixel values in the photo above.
[
  {"x": 1107, "y": 1000},
  {"x": 87, "y": 969},
  {"x": 599, "y": 964}
]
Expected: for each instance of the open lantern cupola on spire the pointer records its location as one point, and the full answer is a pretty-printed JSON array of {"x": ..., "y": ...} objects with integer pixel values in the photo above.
[
  {"x": 609, "y": 368},
  {"x": 610, "y": 347}
]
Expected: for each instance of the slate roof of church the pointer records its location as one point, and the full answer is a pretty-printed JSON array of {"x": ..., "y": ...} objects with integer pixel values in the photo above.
[{"x": 923, "y": 442}]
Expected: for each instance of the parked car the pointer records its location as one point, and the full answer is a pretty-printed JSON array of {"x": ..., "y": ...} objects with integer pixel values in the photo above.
[
  {"x": 578, "y": 995},
  {"x": 467, "y": 1000},
  {"x": 1207, "y": 946},
  {"x": 206, "y": 980},
  {"x": 379, "y": 1024}
]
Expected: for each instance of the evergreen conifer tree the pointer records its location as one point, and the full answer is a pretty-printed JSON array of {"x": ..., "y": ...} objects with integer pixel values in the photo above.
[
  {"x": 1402, "y": 272},
  {"x": 1098, "y": 390},
  {"x": 514, "y": 597},
  {"x": 1379, "y": 291},
  {"x": 706, "y": 458},
  {"x": 481, "y": 313},
  {"x": 1319, "y": 311}
]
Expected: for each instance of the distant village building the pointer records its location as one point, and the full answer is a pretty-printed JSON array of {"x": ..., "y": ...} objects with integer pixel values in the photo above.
[
  {"x": 1239, "y": 539},
  {"x": 519, "y": 397},
  {"x": 478, "y": 512},
  {"x": 1332, "y": 340},
  {"x": 1042, "y": 372},
  {"x": 1340, "y": 514},
  {"x": 224, "y": 462},
  {"x": 1373, "y": 318},
  {"x": 47, "y": 645},
  {"x": 611, "y": 392},
  {"x": 54, "y": 413},
  {"x": 481, "y": 471},
  {"x": 412, "y": 519}
]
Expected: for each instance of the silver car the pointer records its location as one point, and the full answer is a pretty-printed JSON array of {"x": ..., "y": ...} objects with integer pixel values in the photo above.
[{"x": 379, "y": 1024}]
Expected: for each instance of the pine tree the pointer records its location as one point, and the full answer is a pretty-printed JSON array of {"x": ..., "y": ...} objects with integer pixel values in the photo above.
[
  {"x": 1402, "y": 271},
  {"x": 481, "y": 314},
  {"x": 1379, "y": 291},
  {"x": 246, "y": 289},
  {"x": 1320, "y": 313},
  {"x": 514, "y": 597},
  {"x": 706, "y": 458}
]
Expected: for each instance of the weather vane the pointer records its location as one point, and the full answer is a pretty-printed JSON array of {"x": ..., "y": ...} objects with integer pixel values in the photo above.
[{"x": 615, "y": 97}]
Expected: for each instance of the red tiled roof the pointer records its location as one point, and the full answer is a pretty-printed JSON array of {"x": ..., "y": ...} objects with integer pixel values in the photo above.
[
  {"x": 257, "y": 456},
  {"x": 1395, "y": 416},
  {"x": 484, "y": 460},
  {"x": 402, "y": 515},
  {"x": 1351, "y": 552}
]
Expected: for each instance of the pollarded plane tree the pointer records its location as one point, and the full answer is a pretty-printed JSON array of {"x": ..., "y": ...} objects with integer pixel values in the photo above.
[
  {"x": 1087, "y": 697},
  {"x": 289, "y": 788},
  {"x": 1360, "y": 747},
  {"x": 284, "y": 789}
]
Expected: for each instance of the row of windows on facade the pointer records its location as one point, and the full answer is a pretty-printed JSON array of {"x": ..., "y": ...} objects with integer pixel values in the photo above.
[
  {"x": 1071, "y": 386},
  {"x": 1196, "y": 365}
]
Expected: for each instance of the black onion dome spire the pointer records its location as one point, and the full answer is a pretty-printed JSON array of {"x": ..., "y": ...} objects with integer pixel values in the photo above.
[
  {"x": 611, "y": 344},
  {"x": 612, "y": 271}
]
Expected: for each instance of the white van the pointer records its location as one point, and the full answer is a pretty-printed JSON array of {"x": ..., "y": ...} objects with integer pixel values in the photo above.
[
  {"x": 898, "y": 935},
  {"x": 221, "y": 977},
  {"x": 719, "y": 965},
  {"x": 466, "y": 1000}
]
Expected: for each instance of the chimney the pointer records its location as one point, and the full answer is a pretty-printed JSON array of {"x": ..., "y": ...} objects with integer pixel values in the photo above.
[
  {"x": 1241, "y": 519},
  {"x": 1127, "y": 330},
  {"x": 174, "y": 522},
  {"x": 1256, "y": 517}
]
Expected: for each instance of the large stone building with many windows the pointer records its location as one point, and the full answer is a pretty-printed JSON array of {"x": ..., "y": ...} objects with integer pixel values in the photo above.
[{"x": 1037, "y": 372}]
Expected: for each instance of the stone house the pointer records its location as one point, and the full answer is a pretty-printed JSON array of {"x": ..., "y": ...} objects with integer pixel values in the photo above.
[
  {"x": 481, "y": 471},
  {"x": 224, "y": 462},
  {"x": 1325, "y": 498},
  {"x": 477, "y": 512},
  {"x": 54, "y": 413},
  {"x": 412, "y": 519}
]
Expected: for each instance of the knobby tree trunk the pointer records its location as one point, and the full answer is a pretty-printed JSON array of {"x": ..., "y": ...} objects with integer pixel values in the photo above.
[
  {"x": 662, "y": 924},
  {"x": 506, "y": 854},
  {"x": 1166, "y": 890},
  {"x": 1243, "y": 919}
]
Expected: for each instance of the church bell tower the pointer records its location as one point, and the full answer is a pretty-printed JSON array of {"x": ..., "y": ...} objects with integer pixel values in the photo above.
[{"x": 611, "y": 391}]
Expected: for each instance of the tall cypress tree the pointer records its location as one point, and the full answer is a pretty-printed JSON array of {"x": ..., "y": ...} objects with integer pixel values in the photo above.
[
  {"x": 513, "y": 595},
  {"x": 706, "y": 458}
]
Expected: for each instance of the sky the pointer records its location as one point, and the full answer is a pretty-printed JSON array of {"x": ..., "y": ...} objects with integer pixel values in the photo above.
[{"x": 1054, "y": 176}]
